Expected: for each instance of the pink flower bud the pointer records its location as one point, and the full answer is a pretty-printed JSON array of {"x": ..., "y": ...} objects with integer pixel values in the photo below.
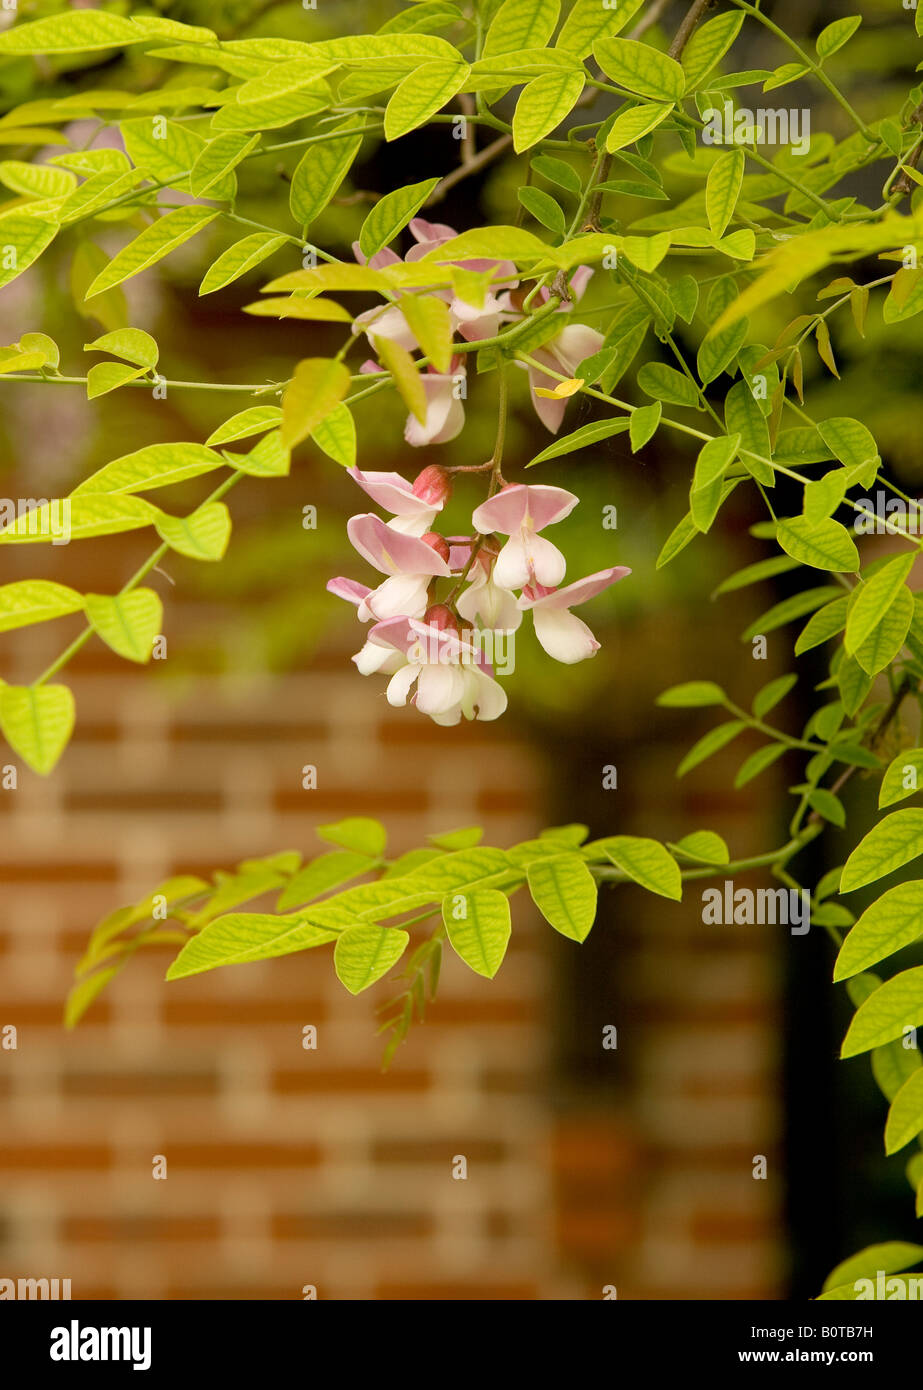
[
  {"x": 437, "y": 543},
  {"x": 441, "y": 617},
  {"x": 433, "y": 486}
]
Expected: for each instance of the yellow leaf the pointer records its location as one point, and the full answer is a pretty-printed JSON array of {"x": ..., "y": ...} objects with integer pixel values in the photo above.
[{"x": 562, "y": 390}]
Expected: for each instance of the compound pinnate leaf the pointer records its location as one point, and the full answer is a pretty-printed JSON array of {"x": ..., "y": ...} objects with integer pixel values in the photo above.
[{"x": 37, "y": 722}]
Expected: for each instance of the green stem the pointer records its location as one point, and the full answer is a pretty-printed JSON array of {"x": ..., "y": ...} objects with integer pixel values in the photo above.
[{"x": 154, "y": 559}]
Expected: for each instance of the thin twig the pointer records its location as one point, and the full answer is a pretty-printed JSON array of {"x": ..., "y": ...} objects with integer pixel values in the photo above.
[
  {"x": 684, "y": 32},
  {"x": 478, "y": 161}
]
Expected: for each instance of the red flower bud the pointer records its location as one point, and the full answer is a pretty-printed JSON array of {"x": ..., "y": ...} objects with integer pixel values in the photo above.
[
  {"x": 438, "y": 543},
  {"x": 433, "y": 485},
  {"x": 441, "y": 617}
]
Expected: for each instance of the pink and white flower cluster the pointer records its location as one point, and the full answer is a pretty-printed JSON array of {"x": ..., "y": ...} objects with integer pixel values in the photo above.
[
  {"x": 445, "y": 411},
  {"x": 434, "y": 650}
]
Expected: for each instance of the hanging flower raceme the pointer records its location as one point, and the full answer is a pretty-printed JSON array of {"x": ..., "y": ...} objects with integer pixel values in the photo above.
[{"x": 439, "y": 654}]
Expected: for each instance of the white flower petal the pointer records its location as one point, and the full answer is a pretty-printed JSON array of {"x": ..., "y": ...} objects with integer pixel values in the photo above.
[
  {"x": 564, "y": 636},
  {"x": 400, "y": 683}
]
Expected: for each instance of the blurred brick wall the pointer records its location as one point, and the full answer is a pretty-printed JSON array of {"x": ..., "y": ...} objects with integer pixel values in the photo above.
[{"x": 290, "y": 1167}]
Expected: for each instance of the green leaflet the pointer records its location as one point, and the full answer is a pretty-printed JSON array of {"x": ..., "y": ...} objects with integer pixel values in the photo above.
[
  {"x": 875, "y": 597},
  {"x": 478, "y": 928},
  {"x": 256, "y": 420},
  {"x": 361, "y": 834},
  {"x": 363, "y": 954},
  {"x": 892, "y": 921},
  {"x": 542, "y": 106},
  {"x": 79, "y": 519},
  {"x": 29, "y": 601},
  {"x": 902, "y": 777},
  {"x": 713, "y": 461},
  {"x": 242, "y": 937},
  {"x": 150, "y": 246},
  {"x": 335, "y": 435},
  {"x": 204, "y": 535},
  {"x": 133, "y": 344},
  {"x": 581, "y": 438},
  {"x": 319, "y": 173},
  {"x": 704, "y": 846},
  {"x": 905, "y": 1117},
  {"x": 564, "y": 891},
  {"x": 888, "y": 1258},
  {"x": 886, "y": 640},
  {"x": 629, "y": 126},
  {"x": 23, "y": 238},
  {"x": 708, "y": 44},
  {"x": 710, "y": 743},
  {"x": 589, "y": 21},
  {"x": 421, "y": 94},
  {"x": 37, "y": 722},
  {"x": 109, "y": 376},
  {"x": 894, "y": 1006},
  {"x": 250, "y": 251},
  {"x": 128, "y": 623},
  {"x": 428, "y": 319},
  {"x": 667, "y": 384},
  {"x": 521, "y": 24},
  {"x": 317, "y": 387},
  {"x": 75, "y": 31},
  {"x": 722, "y": 189},
  {"x": 893, "y": 842},
  {"x": 646, "y": 862},
  {"x": 170, "y": 152},
  {"x": 640, "y": 68},
  {"x": 391, "y": 214},
  {"x": 323, "y": 874},
  {"x": 643, "y": 425},
  {"x": 156, "y": 465},
  {"x": 823, "y": 625},
  {"x": 824, "y": 544},
  {"x": 216, "y": 160},
  {"x": 692, "y": 695}
]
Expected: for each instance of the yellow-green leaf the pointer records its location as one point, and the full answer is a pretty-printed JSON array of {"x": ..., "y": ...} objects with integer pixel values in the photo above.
[
  {"x": 150, "y": 246},
  {"x": 317, "y": 387},
  {"x": 128, "y": 623},
  {"x": 37, "y": 722}
]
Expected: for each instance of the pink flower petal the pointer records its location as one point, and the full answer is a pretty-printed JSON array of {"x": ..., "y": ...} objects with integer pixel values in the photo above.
[
  {"x": 579, "y": 592},
  {"x": 350, "y": 589},
  {"x": 392, "y": 492},
  {"x": 390, "y": 551},
  {"x": 421, "y": 230}
]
